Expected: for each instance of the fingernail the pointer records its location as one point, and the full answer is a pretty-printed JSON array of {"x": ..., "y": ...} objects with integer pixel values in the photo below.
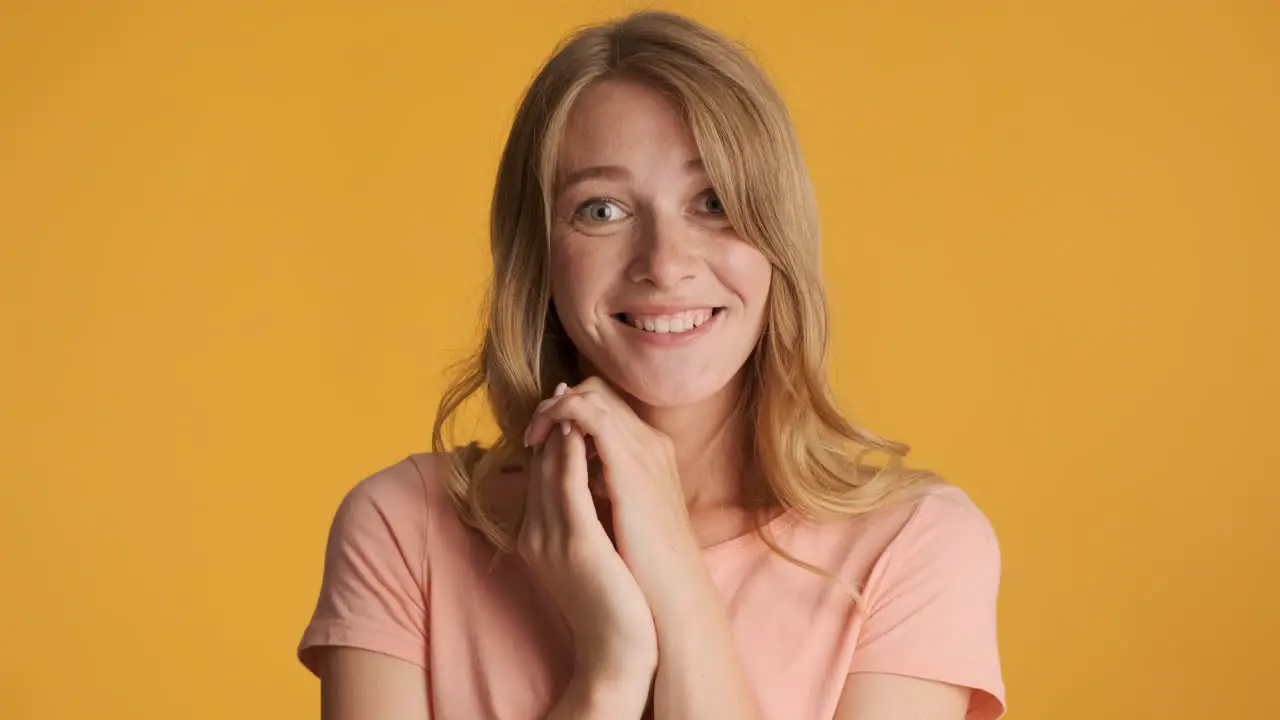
[
  {"x": 564, "y": 427},
  {"x": 560, "y": 389}
]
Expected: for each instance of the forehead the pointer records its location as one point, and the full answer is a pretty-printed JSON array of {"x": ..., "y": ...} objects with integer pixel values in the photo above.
[{"x": 620, "y": 121}]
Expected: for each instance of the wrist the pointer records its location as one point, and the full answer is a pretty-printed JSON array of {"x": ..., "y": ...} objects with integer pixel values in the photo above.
[
  {"x": 610, "y": 693},
  {"x": 635, "y": 666},
  {"x": 682, "y": 596}
]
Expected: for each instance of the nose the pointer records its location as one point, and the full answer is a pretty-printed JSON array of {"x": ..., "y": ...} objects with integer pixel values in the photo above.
[{"x": 666, "y": 254}]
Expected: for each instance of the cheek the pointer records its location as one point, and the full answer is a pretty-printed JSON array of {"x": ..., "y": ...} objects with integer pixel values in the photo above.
[
  {"x": 560, "y": 272},
  {"x": 750, "y": 275},
  {"x": 576, "y": 278}
]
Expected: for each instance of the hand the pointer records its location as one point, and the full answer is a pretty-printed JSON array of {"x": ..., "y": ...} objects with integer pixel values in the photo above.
[
  {"x": 566, "y": 547},
  {"x": 701, "y": 674},
  {"x": 650, "y": 519}
]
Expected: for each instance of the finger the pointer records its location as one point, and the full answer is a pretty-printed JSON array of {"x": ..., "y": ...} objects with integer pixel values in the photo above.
[
  {"x": 560, "y": 390},
  {"x": 593, "y": 418},
  {"x": 533, "y": 522},
  {"x": 596, "y": 383},
  {"x": 598, "y": 490},
  {"x": 604, "y": 394},
  {"x": 551, "y": 470},
  {"x": 539, "y": 426},
  {"x": 600, "y": 391},
  {"x": 542, "y": 422},
  {"x": 579, "y": 508}
]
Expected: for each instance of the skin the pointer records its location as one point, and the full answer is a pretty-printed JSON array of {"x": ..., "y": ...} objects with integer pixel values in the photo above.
[{"x": 647, "y": 232}]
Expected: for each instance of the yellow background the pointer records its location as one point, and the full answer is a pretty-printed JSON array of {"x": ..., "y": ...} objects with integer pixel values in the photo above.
[{"x": 239, "y": 241}]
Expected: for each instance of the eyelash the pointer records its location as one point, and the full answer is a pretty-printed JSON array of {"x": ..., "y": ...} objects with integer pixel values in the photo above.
[{"x": 578, "y": 214}]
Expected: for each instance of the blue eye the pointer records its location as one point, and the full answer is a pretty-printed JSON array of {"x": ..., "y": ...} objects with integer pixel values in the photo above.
[
  {"x": 600, "y": 210},
  {"x": 712, "y": 204}
]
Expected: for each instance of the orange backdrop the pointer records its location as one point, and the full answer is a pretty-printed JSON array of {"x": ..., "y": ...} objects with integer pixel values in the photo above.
[{"x": 239, "y": 241}]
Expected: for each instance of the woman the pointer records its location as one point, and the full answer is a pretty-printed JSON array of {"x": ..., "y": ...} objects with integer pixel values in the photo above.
[{"x": 675, "y": 521}]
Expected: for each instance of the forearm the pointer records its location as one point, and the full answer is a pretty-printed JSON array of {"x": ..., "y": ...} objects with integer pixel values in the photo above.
[
  {"x": 700, "y": 674},
  {"x": 593, "y": 697}
]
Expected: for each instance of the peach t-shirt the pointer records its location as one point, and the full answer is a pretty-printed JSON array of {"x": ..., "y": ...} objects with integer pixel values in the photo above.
[{"x": 403, "y": 576}]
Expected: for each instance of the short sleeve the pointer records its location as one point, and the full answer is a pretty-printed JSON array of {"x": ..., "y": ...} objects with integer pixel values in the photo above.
[
  {"x": 372, "y": 594},
  {"x": 931, "y": 603}
]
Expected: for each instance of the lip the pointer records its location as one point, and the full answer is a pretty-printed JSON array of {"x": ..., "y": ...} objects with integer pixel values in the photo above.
[
  {"x": 665, "y": 309},
  {"x": 670, "y": 339}
]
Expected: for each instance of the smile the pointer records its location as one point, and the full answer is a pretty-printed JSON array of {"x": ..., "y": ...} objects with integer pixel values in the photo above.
[
  {"x": 670, "y": 327},
  {"x": 671, "y": 322}
]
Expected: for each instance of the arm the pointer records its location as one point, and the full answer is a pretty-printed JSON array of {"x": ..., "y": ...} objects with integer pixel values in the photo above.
[
  {"x": 930, "y": 599},
  {"x": 927, "y": 649},
  {"x": 700, "y": 673},
  {"x": 360, "y": 684},
  {"x": 881, "y": 696},
  {"x": 564, "y": 544},
  {"x": 589, "y": 699}
]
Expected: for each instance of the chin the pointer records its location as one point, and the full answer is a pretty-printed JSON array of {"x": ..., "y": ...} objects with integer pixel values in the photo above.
[{"x": 656, "y": 391}]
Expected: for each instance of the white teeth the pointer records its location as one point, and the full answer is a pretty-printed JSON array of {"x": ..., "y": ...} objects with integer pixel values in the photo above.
[{"x": 677, "y": 324}]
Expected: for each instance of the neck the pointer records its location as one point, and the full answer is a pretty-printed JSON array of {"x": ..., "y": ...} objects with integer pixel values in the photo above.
[{"x": 709, "y": 443}]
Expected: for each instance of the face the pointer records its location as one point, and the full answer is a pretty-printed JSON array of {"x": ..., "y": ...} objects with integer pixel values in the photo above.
[{"x": 650, "y": 281}]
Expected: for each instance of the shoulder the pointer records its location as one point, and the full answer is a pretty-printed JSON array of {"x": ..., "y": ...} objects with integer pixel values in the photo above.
[
  {"x": 930, "y": 598},
  {"x": 936, "y": 513},
  {"x": 946, "y": 513},
  {"x": 416, "y": 502},
  {"x": 940, "y": 537},
  {"x": 397, "y": 500},
  {"x": 395, "y": 486},
  {"x": 938, "y": 526},
  {"x": 373, "y": 590},
  {"x": 414, "y": 480}
]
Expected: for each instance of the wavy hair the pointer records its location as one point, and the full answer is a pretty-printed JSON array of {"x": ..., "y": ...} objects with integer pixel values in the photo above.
[{"x": 811, "y": 456}]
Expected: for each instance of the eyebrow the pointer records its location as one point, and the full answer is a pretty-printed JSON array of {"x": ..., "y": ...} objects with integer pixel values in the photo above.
[{"x": 611, "y": 172}]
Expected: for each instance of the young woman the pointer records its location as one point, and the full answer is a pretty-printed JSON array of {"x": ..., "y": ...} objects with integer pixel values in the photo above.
[{"x": 676, "y": 521}]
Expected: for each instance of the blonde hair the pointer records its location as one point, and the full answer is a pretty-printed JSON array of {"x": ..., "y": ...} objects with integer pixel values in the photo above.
[{"x": 811, "y": 457}]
